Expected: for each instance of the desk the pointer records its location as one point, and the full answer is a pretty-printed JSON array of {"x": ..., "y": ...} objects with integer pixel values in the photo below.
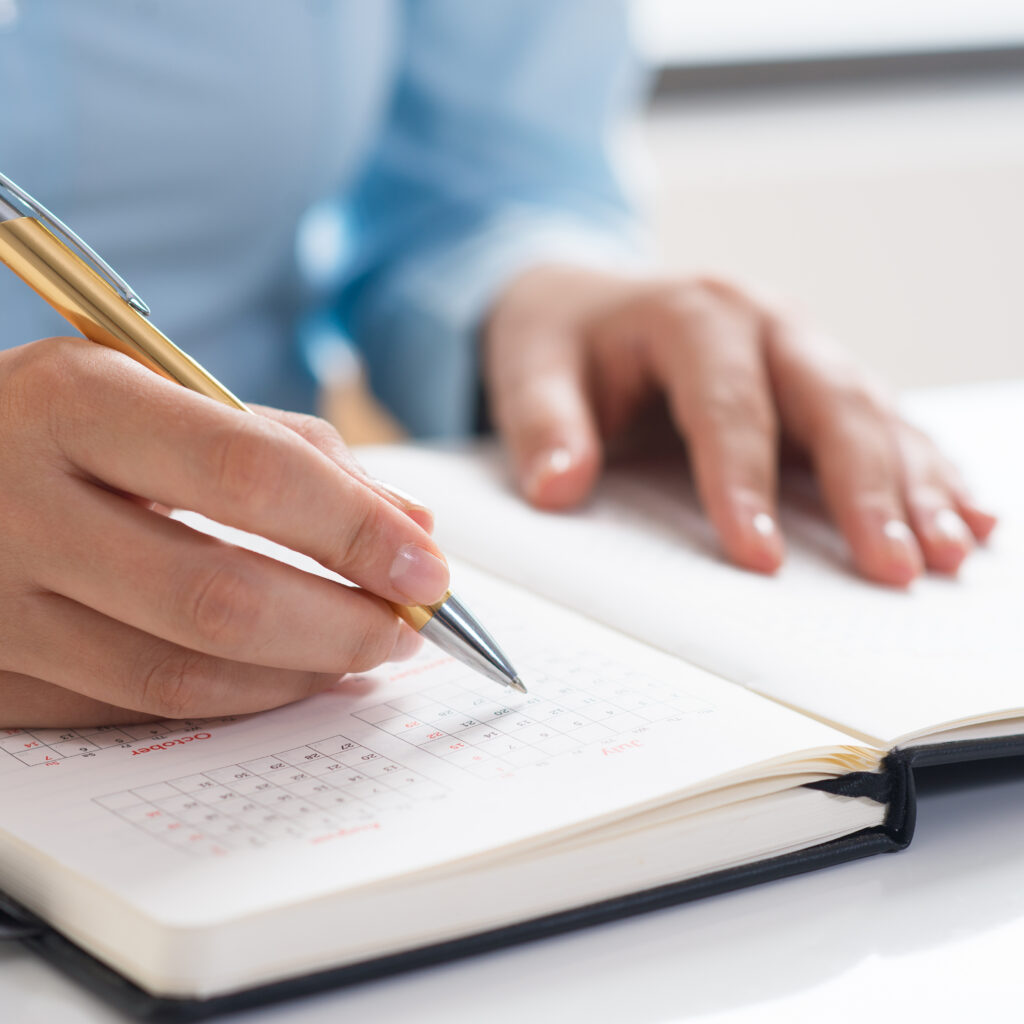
[{"x": 939, "y": 928}]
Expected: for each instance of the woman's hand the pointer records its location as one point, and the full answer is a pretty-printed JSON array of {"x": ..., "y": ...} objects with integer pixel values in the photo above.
[
  {"x": 572, "y": 357},
  {"x": 111, "y": 611}
]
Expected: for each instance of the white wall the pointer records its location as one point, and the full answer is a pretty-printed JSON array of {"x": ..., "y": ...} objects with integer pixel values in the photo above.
[
  {"x": 895, "y": 215},
  {"x": 699, "y": 32}
]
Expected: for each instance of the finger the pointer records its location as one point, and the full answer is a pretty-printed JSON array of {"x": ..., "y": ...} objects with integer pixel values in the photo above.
[
  {"x": 980, "y": 522},
  {"x": 943, "y": 535},
  {"x": 408, "y": 644},
  {"x": 541, "y": 408},
  {"x": 322, "y": 435},
  {"x": 860, "y": 478},
  {"x": 848, "y": 433},
  {"x": 708, "y": 357},
  {"x": 121, "y": 666},
  {"x": 140, "y": 433},
  {"x": 173, "y": 582},
  {"x": 27, "y": 702},
  {"x": 944, "y": 538}
]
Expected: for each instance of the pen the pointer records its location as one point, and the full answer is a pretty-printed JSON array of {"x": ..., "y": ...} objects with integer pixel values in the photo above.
[{"x": 51, "y": 259}]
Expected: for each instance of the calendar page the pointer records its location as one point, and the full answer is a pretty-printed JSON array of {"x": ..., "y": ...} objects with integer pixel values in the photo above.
[{"x": 397, "y": 770}]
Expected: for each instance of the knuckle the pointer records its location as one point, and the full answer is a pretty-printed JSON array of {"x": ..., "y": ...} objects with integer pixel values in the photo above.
[
  {"x": 324, "y": 437},
  {"x": 847, "y": 407},
  {"x": 877, "y": 501},
  {"x": 691, "y": 302},
  {"x": 356, "y": 541},
  {"x": 736, "y": 402},
  {"x": 858, "y": 398},
  {"x": 221, "y": 609},
  {"x": 372, "y": 642},
  {"x": 171, "y": 684},
  {"x": 317, "y": 430},
  {"x": 35, "y": 378},
  {"x": 697, "y": 313},
  {"x": 920, "y": 453},
  {"x": 926, "y": 496},
  {"x": 863, "y": 408},
  {"x": 251, "y": 465}
]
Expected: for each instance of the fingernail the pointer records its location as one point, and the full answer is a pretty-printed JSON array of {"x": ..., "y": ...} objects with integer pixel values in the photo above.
[
  {"x": 952, "y": 527},
  {"x": 407, "y": 644},
  {"x": 413, "y": 507},
  {"x": 418, "y": 575},
  {"x": 404, "y": 497},
  {"x": 947, "y": 540},
  {"x": 767, "y": 554},
  {"x": 553, "y": 462},
  {"x": 902, "y": 551},
  {"x": 898, "y": 531}
]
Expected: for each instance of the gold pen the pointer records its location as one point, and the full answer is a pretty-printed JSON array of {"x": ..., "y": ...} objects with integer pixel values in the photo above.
[{"x": 87, "y": 292}]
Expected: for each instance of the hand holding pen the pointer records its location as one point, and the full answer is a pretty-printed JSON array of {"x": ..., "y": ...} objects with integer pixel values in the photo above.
[{"x": 110, "y": 611}]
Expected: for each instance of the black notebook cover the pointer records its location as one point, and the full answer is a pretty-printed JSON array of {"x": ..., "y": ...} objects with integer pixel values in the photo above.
[{"x": 894, "y": 787}]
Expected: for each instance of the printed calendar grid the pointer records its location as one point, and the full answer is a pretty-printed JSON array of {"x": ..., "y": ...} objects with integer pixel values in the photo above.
[
  {"x": 50, "y": 746},
  {"x": 335, "y": 786},
  {"x": 455, "y": 722},
  {"x": 314, "y": 792}
]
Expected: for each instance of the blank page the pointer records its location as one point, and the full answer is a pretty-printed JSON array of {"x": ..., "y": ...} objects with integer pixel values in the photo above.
[{"x": 882, "y": 663}]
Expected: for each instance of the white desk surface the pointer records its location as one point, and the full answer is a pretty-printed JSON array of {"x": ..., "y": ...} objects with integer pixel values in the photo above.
[{"x": 938, "y": 928}]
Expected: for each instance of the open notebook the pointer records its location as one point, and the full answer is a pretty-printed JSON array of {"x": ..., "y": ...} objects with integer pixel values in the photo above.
[{"x": 689, "y": 728}]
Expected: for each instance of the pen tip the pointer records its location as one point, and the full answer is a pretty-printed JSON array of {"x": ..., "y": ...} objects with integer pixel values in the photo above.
[{"x": 517, "y": 684}]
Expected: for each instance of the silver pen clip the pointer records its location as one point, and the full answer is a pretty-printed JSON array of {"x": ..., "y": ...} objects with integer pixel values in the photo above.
[{"x": 58, "y": 227}]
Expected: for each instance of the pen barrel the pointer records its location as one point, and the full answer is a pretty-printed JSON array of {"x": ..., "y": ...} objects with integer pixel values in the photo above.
[
  {"x": 417, "y": 615},
  {"x": 88, "y": 302}
]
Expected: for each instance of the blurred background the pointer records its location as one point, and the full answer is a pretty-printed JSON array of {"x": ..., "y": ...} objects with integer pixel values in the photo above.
[{"x": 864, "y": 157}]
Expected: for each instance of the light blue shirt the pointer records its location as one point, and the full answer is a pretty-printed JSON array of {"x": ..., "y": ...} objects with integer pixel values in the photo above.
[{"x": 447, "y": 143}]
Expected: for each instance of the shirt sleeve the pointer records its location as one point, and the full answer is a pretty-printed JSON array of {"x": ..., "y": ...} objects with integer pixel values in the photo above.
[{"x": 498, "y": 153}]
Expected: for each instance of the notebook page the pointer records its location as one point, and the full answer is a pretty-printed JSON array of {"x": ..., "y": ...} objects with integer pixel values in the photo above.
[
  {"x": 884, "y": 663},
  {"x": 421, "y": 763}
]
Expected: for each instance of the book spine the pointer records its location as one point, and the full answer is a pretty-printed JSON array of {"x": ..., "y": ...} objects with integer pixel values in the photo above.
[
  {"x": 16, "y": 922},
  {"x": 892, "y": 786}
]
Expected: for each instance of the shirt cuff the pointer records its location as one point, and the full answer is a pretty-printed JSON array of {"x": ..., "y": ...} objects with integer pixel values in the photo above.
[{"x": 418, "y": 328}]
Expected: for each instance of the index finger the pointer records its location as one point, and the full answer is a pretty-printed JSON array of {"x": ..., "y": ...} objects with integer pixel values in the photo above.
[{"x": 142, "y": 434}]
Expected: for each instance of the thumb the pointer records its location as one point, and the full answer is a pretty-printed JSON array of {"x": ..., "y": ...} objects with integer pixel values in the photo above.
[{"x": 543, "y": 412}]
